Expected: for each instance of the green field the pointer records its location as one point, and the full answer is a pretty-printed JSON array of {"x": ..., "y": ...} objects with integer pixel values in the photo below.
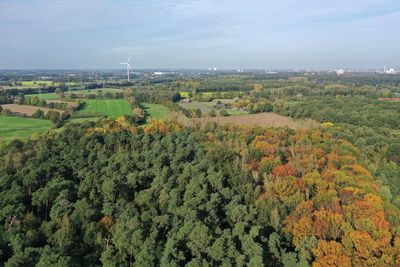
[
  {"x": 235, "y": 112},
  {"x": 196, "y": 105},
  {"x": 51, "y": 96},
  {"x": 105, "y": 107},
  {"x": 156, "y": 111},
  {"x": 17, "y": 127},
  {"x": 37, "y": 83},
  {"x": 185, "y": 94}
]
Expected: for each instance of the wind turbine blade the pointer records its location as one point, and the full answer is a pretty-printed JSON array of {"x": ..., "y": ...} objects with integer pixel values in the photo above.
[
  {"x": 129, "y": 66},
  {"x": 129, "y": 59}
]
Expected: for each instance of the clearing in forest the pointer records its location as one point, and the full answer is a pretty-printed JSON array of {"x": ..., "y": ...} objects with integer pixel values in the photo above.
[{"x": 156, "y": 111}]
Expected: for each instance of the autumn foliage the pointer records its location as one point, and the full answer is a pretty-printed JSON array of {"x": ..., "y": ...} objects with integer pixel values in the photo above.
[
  {"x": 158, "y": 194},
  {"x": 339, "y": 217}
]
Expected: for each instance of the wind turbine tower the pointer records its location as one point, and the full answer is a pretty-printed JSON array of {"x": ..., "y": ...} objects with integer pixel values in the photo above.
[{"x": 128, "y": 67}]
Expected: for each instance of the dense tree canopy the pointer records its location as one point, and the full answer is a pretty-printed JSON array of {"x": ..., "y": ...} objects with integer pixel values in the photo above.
[{"x": 114, "y": 194}]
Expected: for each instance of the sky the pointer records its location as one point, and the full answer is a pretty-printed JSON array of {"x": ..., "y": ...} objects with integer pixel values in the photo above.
[{"x": 227, "y": 34}]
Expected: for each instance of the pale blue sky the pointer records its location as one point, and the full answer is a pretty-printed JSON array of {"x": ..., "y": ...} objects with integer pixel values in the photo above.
[{"x": 198, "y": 34}]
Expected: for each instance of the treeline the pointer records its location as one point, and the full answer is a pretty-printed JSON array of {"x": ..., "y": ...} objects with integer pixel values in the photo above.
[
  {"x": 155, "y": 95},
  {"x": 111, "y": 194},
  {"x": 276, "y": 90},
  {"x": 213, "y": 85},
  {"x": 52, "y": 115},
  {"x": 138, "y": 115},
  {"x": 90, "y": 95},
  {"x": 6, "y": 98},
  {"x": 35, "y": 101},
  {"x": 28, "y": 91},
  {"x": 352, "y": 110}
]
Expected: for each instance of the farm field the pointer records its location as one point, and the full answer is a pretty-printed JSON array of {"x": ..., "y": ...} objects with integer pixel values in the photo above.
[
  {"x": 185, "y": 94},
  {"x": 156, "y": 111},
  {"x": 206, "y": 107},
  {"x": 236, "y": 112},
  {"x": 222, "y": 100},
  {"x": 261, "y": 119},
  {"x": 196, "y": 105},
  {"x": 213, "y": 94},
  {"x": 105, "y": 107},
  {"x": 37, "y": 83},
  {"x": 27, "y": 109},
  {"x": 17, "y": 127},
  {"x": 50, "y": 96}
]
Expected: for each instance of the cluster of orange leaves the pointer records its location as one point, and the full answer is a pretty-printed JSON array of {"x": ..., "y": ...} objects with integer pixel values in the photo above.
[
  {"x": 341, "y": 207},
  {"x": 109, "y": 126},
  {"x": 161, "y": 127},
  {"x": 121, "y": 123}
]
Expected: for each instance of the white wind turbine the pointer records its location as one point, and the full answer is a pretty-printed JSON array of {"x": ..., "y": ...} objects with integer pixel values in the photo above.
[{"x": 128, "y": 67}]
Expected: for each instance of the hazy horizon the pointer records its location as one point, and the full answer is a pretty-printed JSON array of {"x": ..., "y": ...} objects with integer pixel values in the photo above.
[{"x": 176, "y": 34}]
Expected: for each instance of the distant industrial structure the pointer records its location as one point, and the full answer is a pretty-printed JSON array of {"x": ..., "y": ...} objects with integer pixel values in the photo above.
[
  {"x": 340, "y": 72},
  {"x": 389, "y": 71},
  {"x": 128, "y": 68}
]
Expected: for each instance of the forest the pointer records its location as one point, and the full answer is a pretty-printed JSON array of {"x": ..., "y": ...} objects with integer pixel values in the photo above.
[{"x": 114, "y": 194}]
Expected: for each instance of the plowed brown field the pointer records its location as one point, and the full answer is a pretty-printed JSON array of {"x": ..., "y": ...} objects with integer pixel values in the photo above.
[
  {"x": 261, "y": 119},
  {"x": 26, "y": 109}
]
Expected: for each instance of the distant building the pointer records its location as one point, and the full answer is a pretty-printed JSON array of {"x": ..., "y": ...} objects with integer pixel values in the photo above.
[
  {"x": 158, "y": 73},
  {"x": 340, "y": 72},
  {"x": 390, "y": 71},
  {"x": 220, "y": 105}
]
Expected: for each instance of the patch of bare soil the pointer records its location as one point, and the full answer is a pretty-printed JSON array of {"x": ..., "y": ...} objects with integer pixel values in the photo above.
[
  {"x": 262, "y": 119},
  {"x": 26, "y": 109}
]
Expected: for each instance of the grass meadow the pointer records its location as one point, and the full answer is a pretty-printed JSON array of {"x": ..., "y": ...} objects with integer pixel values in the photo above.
[
  {"x": 105, "y": 107},
  {"x": 156, "y": 111},
  {"x": 18, "y": 127}
]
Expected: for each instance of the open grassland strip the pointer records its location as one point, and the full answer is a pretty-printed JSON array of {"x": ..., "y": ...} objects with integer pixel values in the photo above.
[
  {"x": 156, "y": 111},
  {"x": 17, "y": 127}
]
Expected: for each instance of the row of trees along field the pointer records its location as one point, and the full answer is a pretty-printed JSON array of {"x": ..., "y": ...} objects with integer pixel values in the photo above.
[{"x": 114, "y": 194}]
